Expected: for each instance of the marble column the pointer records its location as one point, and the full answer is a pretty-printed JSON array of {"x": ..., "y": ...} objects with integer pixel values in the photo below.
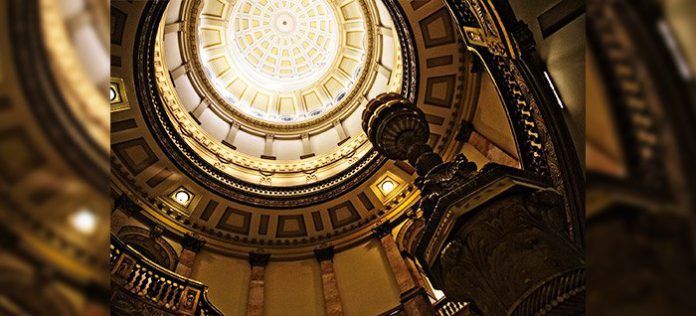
[
  {"x": 413, "y": 269},
  {"x": 124, "y": 209},
  {"x": 413, "y": 295},
  {"x": 192, "y": 244},
  {"x": 332, "y": 298},
  {"x": 255, "y": 299}
]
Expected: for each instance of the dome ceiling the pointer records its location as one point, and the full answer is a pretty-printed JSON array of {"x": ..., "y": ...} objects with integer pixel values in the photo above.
[
  {"x": 284, "y": 45},
  {"x": 254, "y": 124},
  {"x": 279, "y": 61},
  {"x": 259, "y": 181}
]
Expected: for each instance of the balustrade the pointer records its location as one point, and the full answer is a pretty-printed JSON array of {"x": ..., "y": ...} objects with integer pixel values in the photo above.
[
  {"x": 148, "y": 286},
  {"x": 447, "y": 307}
]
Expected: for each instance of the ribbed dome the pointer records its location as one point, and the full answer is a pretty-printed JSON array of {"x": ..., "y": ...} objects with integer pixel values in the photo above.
[
  {"x": 280, "y": 63},
  {"x": 284, "y": 44}
]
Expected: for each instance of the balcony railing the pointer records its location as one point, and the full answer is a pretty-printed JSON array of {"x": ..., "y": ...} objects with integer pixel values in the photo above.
[
  {"x": 154, "y": 287},
  {"x": 443, "y": 307},
  {"x": 446, "y": 307}
]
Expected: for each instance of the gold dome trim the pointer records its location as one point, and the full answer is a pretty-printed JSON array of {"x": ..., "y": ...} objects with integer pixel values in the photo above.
[{"x": 191, "y": 55}]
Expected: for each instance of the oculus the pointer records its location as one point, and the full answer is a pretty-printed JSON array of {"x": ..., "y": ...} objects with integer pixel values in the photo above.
[
  {"x": 281, "y": 44},
  {"x": 283, "y": 62}
]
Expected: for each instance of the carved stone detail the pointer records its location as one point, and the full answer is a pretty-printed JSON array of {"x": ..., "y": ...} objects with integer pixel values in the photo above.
[
  {"x": 514, "y": 257},
  {"x": 324, "y": 254},
  {"x": 442, "y": 179},
  {"x": 399, "y": 130},
  {"x": 156, "y": 231},
  {"x": 127, "y": 205},
  {"x": 193, "y": 242},
  {"x": 394, "y": 125},
  {"x": 257, "y": 259},
  {"x": 124, "y": 208}
]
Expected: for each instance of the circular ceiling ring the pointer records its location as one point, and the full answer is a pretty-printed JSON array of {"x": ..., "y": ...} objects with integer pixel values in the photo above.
[
  {"x": 282, "y": 83},
  {"x": 213, "y": 171},
  {"x": 176, "y": 148}
]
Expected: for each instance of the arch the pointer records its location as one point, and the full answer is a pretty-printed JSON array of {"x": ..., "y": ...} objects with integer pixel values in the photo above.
[{"x": 151, "y": 246}]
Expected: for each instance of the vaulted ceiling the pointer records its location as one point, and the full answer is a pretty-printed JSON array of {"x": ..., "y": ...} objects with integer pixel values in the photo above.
[{"x": 285, "y": 169}]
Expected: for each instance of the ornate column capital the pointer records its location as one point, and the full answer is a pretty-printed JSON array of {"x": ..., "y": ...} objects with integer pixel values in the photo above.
[
  {"x": 524, "y": 38},
  {"x": 156, "y": 231},
  {"x": 193, "y": 242},
  {"x": 465, "y": 131},
  {"x": 128, "y": 206},
  {"x": 258, "y": 259},
  {"x": 382, "y": 229},
  {"x": 324, "y": 254}
]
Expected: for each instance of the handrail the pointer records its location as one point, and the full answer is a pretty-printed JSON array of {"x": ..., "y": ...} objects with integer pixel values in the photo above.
[{"x": 156, "y": 285}]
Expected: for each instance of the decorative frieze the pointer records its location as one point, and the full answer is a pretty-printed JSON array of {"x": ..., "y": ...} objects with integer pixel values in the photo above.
[{"x": 124, "y": 208}]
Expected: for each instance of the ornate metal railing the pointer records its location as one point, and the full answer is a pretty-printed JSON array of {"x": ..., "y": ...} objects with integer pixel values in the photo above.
[{"x": 144, "y": 285}]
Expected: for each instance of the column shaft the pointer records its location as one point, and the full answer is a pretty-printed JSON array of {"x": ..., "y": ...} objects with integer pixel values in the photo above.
[
  {"x": 413, "y": 296},
  {"x": 332, "y": 297},
  {"x": 257, "y": 282},
  {"x": 119, "y": 218},
  {"x": 256, "y": 291},
  {"x": 191, "y": 244},
  {"x": 397, "y": 264},
  {"x": 185, "y": 264}
]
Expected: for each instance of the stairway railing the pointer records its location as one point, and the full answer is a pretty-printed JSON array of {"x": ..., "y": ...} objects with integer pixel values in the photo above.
[
  {"x": 447, "y": 307},
  {"x": 443, "y": 307},
  {"x": 156, "y": 286}
]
